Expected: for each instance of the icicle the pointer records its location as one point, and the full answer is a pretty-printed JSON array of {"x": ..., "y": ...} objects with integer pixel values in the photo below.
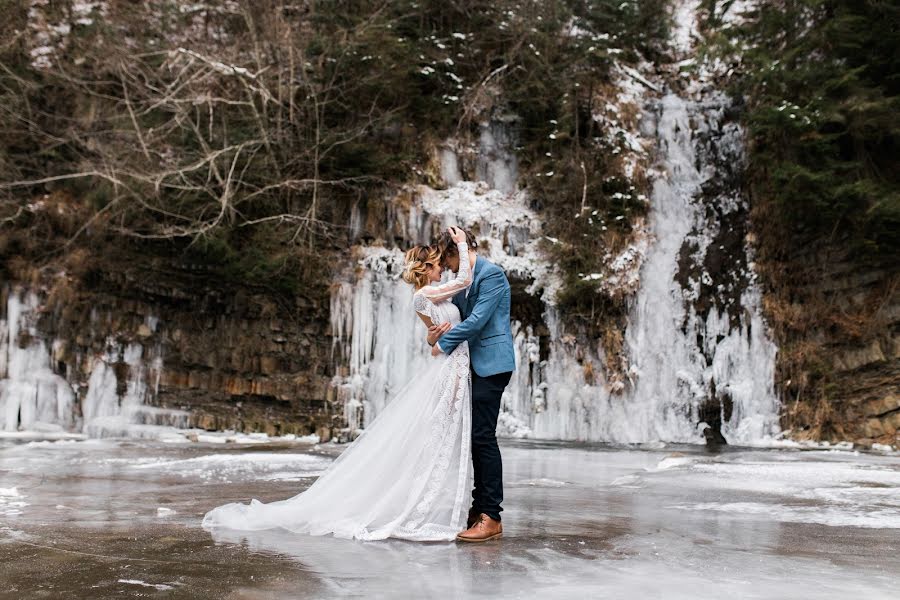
[
  {"x": 33, "y": 397},
  {"x": 565, "y": 396}
]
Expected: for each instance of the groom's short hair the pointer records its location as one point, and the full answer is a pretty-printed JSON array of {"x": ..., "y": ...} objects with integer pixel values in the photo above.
[{"x": 447, "y": 247}]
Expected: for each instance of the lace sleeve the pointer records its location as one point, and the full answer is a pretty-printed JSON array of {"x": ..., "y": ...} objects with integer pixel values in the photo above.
[
  {"x": 421, "y": 305},
  {"x": 463, "y": 279}
]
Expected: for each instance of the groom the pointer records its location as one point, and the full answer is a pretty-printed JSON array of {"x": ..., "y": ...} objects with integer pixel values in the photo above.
[{"x": 484, "y": 308}]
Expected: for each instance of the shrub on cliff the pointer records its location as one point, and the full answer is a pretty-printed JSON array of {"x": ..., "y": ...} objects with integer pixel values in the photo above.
[{"x": 189, "y": 123}]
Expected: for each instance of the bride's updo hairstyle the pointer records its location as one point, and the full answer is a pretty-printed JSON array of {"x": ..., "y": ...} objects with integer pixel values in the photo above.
[{"x": 419, "y": 260}]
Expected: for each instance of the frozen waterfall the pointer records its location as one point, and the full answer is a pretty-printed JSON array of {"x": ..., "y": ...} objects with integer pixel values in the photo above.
[
  {"x": 677, "y": 358},
  {"x": 698, "y": 349},
  {"x": 34, "y": 397}
]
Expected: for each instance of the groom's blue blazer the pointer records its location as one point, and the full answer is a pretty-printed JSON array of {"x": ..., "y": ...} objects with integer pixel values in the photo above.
[{"x": 485, "y": 325}]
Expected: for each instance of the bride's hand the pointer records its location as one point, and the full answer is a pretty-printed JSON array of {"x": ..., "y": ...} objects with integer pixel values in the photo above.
[
  {"x": 436, "y": 331},
  {"x": 457, "y": 234}
]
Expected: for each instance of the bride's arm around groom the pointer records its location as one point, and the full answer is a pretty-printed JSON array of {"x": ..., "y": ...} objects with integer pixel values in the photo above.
[
  {"x": 485, "y": 313},
  {"x": 490, "y": 293}
]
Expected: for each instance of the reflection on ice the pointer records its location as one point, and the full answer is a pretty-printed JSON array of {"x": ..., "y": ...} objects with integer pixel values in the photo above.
[
  {"x": 11, "y": 502},
  {"x": 542, "y": 482}
]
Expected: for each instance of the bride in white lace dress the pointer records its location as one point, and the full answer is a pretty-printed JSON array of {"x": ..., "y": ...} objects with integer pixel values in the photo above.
[{"x": 408, "y": 473}]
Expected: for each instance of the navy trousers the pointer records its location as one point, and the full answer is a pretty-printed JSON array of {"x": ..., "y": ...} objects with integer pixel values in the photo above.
[{"x": 488, "y": 468}]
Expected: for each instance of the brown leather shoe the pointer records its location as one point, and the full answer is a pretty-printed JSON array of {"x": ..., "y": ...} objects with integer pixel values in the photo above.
[{"x": 484, "y": 529}]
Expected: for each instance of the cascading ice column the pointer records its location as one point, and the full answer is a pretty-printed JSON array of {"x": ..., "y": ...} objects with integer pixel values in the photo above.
[{"x": 699, "y": 350}]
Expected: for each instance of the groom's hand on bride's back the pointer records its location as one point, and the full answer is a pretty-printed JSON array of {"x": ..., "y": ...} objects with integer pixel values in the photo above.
[{"x": 436, "y": 331}]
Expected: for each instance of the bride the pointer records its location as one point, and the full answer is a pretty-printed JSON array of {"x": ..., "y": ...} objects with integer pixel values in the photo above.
[{"x": 407, "y": 474}]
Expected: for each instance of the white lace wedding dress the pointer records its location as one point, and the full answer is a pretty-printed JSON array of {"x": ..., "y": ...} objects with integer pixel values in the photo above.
[{"x": 408, "y": 474}]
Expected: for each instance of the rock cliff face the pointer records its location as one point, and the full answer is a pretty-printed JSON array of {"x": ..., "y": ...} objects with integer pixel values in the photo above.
[
  {"x": 106, "y": 338},
  {"x": 837, "y": 321},
  {"x": 173, "y": 346}
]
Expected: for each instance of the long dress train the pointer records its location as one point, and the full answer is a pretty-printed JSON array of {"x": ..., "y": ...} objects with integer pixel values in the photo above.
[{"x": 408, "y": 473}]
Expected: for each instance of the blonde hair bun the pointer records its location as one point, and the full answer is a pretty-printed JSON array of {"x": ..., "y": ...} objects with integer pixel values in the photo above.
[{"x": 419, "y": 260}]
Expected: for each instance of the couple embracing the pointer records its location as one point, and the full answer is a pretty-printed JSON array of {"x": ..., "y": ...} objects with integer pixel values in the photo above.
[{"x": 407, "y": 474}]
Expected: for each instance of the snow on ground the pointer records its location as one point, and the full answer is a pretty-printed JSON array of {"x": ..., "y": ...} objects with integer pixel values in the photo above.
[
  {"x": 684, "y": 27},
  {"x": 474, "y": 202},
  {"x": 625, "y": 267},
  {"x": 224, "y": 467},
  {"x": 47, "y": 37},
  {"x": 511, "y": 230},
  {"x": 624, "y": 137},
  {"x": 685, "y": 35},
  {"x": 734, "y": 12},
  {"x": 162, "y": 433},
  {"x": 232, "y": 437},
  {"x": 40, "y": 435},
  {"x": 827, "y": 488}
]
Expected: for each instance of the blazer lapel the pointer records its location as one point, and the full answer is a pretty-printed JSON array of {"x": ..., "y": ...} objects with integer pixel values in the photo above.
[{"x": 475, "y": 273}]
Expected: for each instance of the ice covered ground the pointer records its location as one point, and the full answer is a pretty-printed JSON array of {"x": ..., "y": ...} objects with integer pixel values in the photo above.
[{"x": 103, "y": 518}]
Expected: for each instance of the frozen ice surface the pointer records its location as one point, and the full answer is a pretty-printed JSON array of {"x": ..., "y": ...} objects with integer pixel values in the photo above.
[
  {"x": 105, "y": 518},
  {"x": 258, "y": 465},
  {"x": 159, "y": 586}
]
